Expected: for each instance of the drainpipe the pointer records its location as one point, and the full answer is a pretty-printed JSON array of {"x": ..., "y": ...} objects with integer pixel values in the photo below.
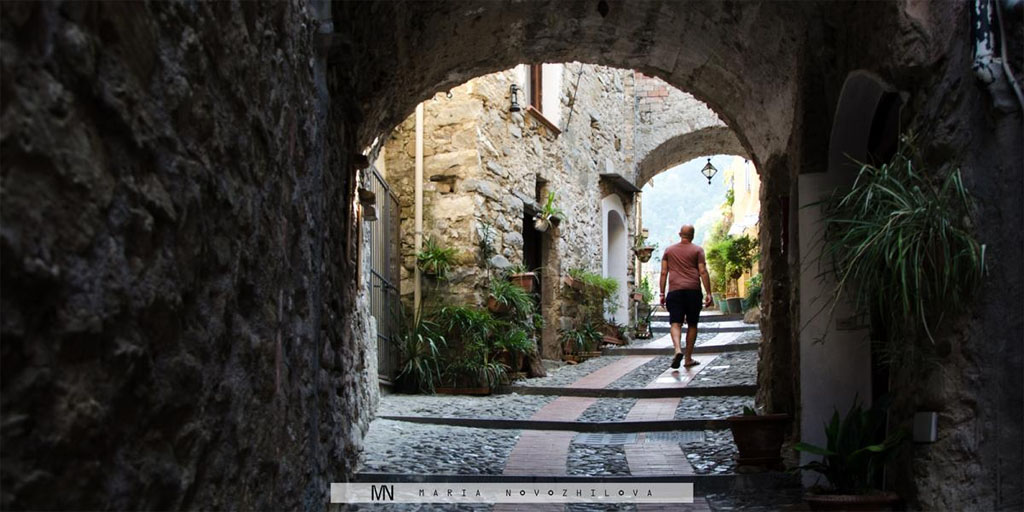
[
  {"x": 990, "y": 68},
  {"x": 418, "y": 237}
]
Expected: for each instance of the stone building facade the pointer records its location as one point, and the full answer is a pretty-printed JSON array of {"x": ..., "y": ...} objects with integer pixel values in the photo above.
[{"x": 487, "y": 170}]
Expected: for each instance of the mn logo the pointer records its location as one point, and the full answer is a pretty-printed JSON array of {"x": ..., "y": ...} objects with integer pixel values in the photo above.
[{"x": 383, "y": 492}]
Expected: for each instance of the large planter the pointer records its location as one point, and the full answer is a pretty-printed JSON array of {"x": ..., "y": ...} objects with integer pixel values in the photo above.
[
  {"x": 644, "y": 253},
  {"x": 877, "y": 501},
  {"x": 527, "y": 281},
  {"x": 735, "y": 305},
  {"x": 723, "y": 305},
  {"x": 759, "y": 438}
]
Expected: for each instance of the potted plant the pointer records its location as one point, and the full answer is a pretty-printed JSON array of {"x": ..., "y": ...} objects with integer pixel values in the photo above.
[
  {"x": 504, "y": 296},
  {"x": 434, "y": 260},
  {"x": 759, "y": 437},
  {"x": 467, "y": 362},
  {"x": 419, "y": 352},
  {"x": 549, "y": 213},
  {"x": 574, "y": 279},
  {"x": 852, "y": 461},
  {"x": 523, "y": 278},
  {"x": 579, "y": 344},
  {"x": 513, "y": 345},
  {"x": 642, "y": 249}
]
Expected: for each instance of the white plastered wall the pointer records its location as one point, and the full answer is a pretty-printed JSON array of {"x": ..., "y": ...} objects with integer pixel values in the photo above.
[{"x": 615, "y": 251}]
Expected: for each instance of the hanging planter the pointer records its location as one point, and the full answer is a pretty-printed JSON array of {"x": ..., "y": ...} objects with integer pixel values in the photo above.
[
  {"x": 541, "y": 224},
  {"x": 642, "y": 249},
  {"x": 644, "y": 253}
]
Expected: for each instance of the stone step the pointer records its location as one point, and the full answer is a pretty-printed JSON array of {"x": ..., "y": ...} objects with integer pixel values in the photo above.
[
  {"x": 702, "y": 484},
  {"x": 664, "y": 329},
  {"x": 667, "y": 351},
  {"x": 572, "y": 426},
  {"x": 671, "y": 392}
]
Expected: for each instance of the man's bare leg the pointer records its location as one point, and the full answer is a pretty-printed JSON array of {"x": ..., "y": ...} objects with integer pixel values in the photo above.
[
  {"x": 676, "y": 331},
  {"x": 691, "y": 339}
]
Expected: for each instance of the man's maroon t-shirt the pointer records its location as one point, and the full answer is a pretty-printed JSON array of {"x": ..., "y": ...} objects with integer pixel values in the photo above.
[{"x": 682, "y": 259}]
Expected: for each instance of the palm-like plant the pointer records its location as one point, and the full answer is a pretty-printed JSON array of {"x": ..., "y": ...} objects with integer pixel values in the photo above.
[
  {"x": 901, "y": 244},
  {"x": 419, "y": 351}
]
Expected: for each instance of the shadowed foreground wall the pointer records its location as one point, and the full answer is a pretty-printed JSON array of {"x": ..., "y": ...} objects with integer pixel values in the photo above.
[{"x": 175, "y": 287}]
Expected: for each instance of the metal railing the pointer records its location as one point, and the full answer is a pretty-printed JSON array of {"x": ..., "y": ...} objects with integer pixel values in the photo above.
[{"x": 384, "y": 277}]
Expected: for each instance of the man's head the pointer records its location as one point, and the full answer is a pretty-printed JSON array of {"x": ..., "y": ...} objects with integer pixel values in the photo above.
[{"x": 686, "y": 232}]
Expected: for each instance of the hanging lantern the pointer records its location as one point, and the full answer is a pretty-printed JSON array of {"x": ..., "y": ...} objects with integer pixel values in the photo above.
[
  {"x": 708, "y": 171},
  {"x": 514, "y": 93}
]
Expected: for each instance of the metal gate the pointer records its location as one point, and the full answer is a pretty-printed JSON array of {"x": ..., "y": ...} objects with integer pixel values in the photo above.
[{"x": 384, "y": 277}]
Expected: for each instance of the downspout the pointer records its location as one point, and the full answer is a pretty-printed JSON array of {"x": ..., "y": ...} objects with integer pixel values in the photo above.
[
  {"x": 991, "y": 69},
  {"x": 418, "y": 237}
]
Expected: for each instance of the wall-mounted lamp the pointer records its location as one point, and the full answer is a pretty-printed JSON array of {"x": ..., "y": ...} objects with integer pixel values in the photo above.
[
  {"x": 708, "y": 171},
  {"x": 514, "y": 93}
]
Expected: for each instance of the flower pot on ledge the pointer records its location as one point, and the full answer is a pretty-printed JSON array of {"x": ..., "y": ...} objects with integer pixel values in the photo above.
[{"x": 526, "y": 280}]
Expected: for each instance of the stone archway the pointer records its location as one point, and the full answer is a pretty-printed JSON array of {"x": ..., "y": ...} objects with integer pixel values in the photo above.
[
  {"x": 191, "y": 217},
  {"x": 615, "y": 251}
]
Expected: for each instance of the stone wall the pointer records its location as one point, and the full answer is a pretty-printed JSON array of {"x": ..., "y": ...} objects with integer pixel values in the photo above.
[{"x": 178, "y": 316}]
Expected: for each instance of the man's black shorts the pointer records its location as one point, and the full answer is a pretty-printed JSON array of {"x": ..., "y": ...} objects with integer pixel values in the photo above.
[{"x": 684, "y": 304}]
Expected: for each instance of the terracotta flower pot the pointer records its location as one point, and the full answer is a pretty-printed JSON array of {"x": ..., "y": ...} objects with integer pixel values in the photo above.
[
  {"x": 759, "y": 438},
  {"x": 875, "y": 501},
  {"x": 527, "y": 281},
  {"x": 496, "y": 307}
]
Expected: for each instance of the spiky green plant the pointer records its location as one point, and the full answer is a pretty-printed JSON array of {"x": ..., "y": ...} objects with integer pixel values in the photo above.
[{"x": 902, "y": 246}]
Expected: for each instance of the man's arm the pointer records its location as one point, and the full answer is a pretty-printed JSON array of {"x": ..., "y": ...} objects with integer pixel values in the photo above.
[
  {"x": 706, "y": 278},
  {"x": 664, "y": 277}
]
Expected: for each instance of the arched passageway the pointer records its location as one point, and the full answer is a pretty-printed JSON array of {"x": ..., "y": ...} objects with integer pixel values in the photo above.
[{"x": 180, "y": 261}]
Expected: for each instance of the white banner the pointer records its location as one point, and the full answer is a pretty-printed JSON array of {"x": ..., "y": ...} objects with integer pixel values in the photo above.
[{"x": 466, "y": 492}]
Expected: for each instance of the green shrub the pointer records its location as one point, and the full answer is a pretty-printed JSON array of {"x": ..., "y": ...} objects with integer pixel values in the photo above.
[{"x": 754, "y": 291}]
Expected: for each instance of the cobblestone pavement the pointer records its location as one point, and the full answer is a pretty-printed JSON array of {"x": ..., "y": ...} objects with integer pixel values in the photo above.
[
  {"x": 715, "y": 455},
  {"x": 511, "y": 406},
  {"x": 643, "y": 375},
  {"x": 399, "y": 447},
  {"x": 729, "y": 369},
  {"x": 692, "y": 407},
  {"x": 596, "y": 460},
  {"x": 608, "y": 409},
  {"x": 567, "y": 374}
]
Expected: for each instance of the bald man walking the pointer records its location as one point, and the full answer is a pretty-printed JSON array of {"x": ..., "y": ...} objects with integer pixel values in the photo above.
[{"x": 683, "y": 267}]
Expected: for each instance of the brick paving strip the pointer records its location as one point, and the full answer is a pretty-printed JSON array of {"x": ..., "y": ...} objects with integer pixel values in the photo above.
[
  {"x": 545, "y": 452},
  {"x": 663, "y": 458}
]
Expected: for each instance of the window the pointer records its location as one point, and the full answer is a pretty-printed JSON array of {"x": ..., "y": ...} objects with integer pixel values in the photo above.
[
  {"x": 543, "y": 83},
  {"x": 536, "y": 74}
]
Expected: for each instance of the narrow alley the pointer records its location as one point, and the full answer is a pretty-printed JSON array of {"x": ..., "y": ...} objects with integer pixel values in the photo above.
[{"x": 624, "y": 414}]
